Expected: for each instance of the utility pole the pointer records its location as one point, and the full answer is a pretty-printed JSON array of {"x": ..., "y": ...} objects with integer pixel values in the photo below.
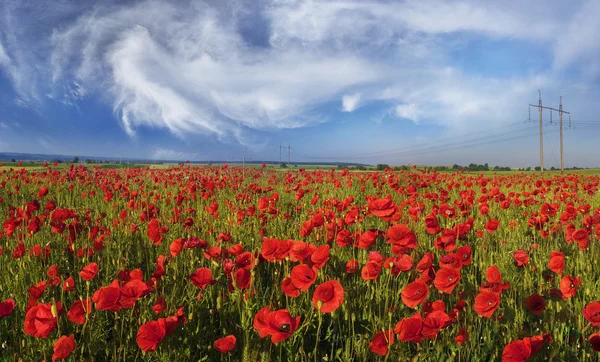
[
  {"x": 560, "y": 113},
  {"x": 244, "y": 159},
  {"x": 541, "y": 137},
  {"x": 289, "y": 149},
  {"x": 562, "y": 156}
]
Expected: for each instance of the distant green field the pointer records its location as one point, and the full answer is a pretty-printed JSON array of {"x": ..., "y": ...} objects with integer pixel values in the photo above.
[
  {"x": 40, "y": 165},
  {"x": 33, "y": 166}
]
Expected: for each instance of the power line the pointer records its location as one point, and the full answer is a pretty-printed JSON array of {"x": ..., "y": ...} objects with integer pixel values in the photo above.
[
  {"x": 457, "y": 138},
  {"x": 438, "y": 145}
]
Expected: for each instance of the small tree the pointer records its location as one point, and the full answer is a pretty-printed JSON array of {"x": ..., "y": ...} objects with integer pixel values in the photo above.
[{"x": 75, "y": 159}]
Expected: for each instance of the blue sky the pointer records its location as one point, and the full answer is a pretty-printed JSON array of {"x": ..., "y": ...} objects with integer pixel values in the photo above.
[{"x": 428, "y": 82}]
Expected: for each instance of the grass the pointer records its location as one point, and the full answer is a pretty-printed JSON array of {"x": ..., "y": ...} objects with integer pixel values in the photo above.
[{"x": 219, "y": 310}]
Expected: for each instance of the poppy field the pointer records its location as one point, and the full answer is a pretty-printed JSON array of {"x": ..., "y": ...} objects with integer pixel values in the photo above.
[{"x": 251, "y": 264}]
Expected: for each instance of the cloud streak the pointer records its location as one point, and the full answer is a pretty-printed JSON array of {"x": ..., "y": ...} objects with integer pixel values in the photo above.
[{"x": 229, "y": 68}]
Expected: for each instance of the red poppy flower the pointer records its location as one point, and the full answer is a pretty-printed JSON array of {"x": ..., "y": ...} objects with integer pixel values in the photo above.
[
  {"x": 300, "y": 251},
  {"x": 89, "y": 271},
  {"x": 451, "y": 260},
  {"x": 36, "y": 291},
  {"x": 536, "y": 304},
  {"x": 78, "y": 311},
  {"x": 202, "y": 277},
  {"x": 591, "y": 312},
  {"x": 242, "y": 278},
  {"x": 43, "y": 191},
  {"x": 434, "y": 322},
  {"x": 557, "y": 262},
  {"x": 150, "y": 334},
  {"x": 426, "y": 262},
  {"x": 447, "y": 241},
  {"x": 281, "y": 325},
  {"x": 225, "y": 344},
  {"x": 517, "y": 351},
  {"x": 464, "y": 254},
  {"x": 352, "y": 266},
  {"x": 381, "y": 342},
  {"x": 367, "y": 239},
  {"x": 63, "y": 347},
  {"x": 7, "y": 307},
  {"x": 462, "y": 336},
  {"x": 493, "y": 275},
  {"x": 261, "y": 321},
  {"x": 303, "y": 276},
  {"x": 486, "y": 304},
  {"x": 320, "y": 256},
  {"x": 289, "y": 289},
  {"x": 580, "y": 235},
  {"x": 401, "y": 263},
  {"x": 568, "y": 286},
  {"x": 132, "y": 291},
  {"x": 432, "y": 225},
  {"x": 594, "y": 340},
  {"x": 410, "y": 329},
  {"x": 492, "y": 225},
  {"x": 401, "y": 235},
  {"x": 53, "y": 273},
  {"x": 160, "y": 305},
  {"x": 382, "y": 208},
  {"x": 521, "y": 258},
  {"x": 371, "y": 270},
  {"x": 446, "y": 279},
  {"x": 155, "y": 232},
  {"x": 69, "y": 284},
  {"x": 375, "y": 256},
  {"x": 39, "y": 321},
  {"x": 107, "y": 298},
  {"x": 328, "y": 296},
  {"x": 415, "y": 293},
  {"x": 245, "y": 260}
]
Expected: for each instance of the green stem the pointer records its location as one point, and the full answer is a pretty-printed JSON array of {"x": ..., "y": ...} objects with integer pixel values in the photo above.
[{"x": 318, "y": 335}]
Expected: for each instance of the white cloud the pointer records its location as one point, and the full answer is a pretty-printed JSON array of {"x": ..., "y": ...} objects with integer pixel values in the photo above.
[
  {"x": 408, "y": 111},
  {"x": 350, "y": 102},
  {"x": 187, "y": 68},
  {"x": 4, "y": 59},
  {"x": 580, "y": 40}
]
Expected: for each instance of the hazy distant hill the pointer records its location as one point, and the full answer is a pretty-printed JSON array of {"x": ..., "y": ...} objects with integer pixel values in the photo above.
[{"x": 7, "y": 156}]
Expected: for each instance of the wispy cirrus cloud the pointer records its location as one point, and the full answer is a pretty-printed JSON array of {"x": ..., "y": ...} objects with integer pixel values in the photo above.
[{"x": 228, "y": 68}]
